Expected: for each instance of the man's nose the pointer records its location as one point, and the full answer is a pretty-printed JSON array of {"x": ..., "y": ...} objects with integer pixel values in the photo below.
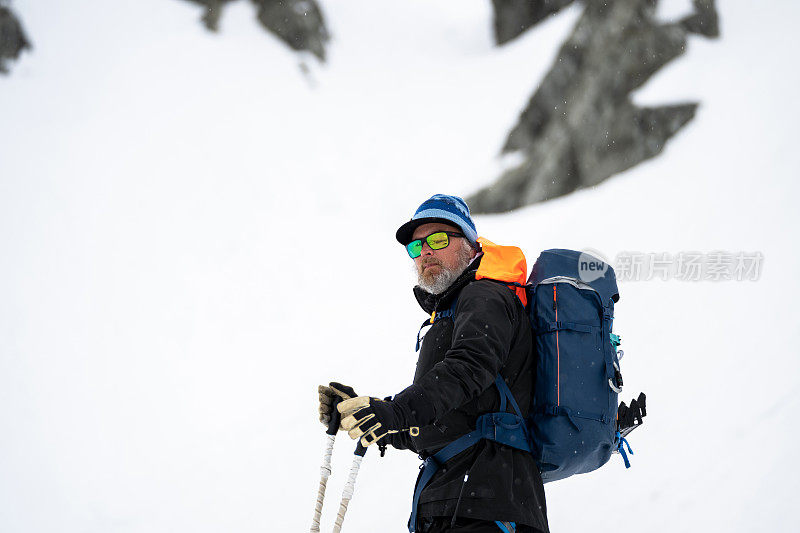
[{"x": 426, "y": 249}]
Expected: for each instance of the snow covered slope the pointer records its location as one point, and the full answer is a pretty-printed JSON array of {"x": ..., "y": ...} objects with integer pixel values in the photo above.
[{"x": 195, "y": 234}]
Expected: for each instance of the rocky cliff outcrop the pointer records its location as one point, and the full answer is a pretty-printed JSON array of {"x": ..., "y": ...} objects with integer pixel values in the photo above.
[
  {"x": 12, "y": 37},
  {"x": 513, "y": 17},
  {"x": 298, "y": 23},
  {"x": 580, "y": 127}
]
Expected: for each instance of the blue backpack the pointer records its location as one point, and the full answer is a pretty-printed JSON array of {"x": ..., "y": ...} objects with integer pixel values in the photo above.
[{"x": 573, "y": 421}]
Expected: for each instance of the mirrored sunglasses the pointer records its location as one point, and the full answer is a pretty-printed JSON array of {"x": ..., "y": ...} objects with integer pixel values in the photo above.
[{"x": 437, "y": 241}]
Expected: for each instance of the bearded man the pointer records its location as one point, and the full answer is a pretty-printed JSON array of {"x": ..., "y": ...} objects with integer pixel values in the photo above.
[{"x": 476, "y": 360}]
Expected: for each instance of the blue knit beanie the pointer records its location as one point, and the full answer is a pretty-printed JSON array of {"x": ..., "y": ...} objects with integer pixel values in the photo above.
[{"x": 440, "y": 208}]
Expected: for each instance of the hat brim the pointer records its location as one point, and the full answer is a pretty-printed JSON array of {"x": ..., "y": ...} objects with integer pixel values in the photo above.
[{"x": 405, "y": 233}]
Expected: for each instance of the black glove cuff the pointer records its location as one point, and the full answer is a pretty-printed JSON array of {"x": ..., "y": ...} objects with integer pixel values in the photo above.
[{"x": 413, "y": 407}]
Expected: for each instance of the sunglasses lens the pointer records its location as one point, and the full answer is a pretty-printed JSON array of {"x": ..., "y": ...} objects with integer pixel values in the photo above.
[
  {"x": 437, "y": 241},
  {"x": 414, "y": 248}
]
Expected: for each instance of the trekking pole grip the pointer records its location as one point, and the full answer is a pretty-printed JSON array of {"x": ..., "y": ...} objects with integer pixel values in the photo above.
[{"x": 336, "y": 417}]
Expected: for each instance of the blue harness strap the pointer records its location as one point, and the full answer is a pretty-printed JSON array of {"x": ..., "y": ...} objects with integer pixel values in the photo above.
[
  {"x": 506, "y": 527},
  {"x": 504, "y": 428},
  {"x": 505, "y": 394},
  {"x": 621, "y": 449}
]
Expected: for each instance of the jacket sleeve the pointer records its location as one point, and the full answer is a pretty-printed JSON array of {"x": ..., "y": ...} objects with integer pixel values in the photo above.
[
  {"x": 401, "y": 441},
  {"x": 483, "y": 328}
]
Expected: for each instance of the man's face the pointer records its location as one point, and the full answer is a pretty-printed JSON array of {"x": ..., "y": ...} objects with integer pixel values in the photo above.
[{"x": 431, "y": 264}]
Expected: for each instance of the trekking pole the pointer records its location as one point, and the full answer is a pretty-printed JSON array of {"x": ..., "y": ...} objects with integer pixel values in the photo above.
[
  {"x": 350, "y": 487},
  {"x": 325, "y": 469}
]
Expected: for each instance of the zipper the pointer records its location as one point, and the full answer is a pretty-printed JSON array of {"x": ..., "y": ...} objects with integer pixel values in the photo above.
[
  {"x": 458, "y": 501},
  {"x": 578, "y": 284}
]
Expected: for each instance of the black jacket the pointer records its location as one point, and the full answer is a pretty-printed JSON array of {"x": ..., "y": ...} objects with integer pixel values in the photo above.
[{"x": 460, "y": 358}]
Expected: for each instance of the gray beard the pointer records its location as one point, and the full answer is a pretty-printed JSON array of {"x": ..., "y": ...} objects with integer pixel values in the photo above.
[
  {"x": 441, "y": 281},
  {"x": 446, "y": 277}
]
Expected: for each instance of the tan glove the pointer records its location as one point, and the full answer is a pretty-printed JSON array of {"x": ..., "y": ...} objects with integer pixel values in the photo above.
[
  {"x": 327, "y": 394},
  {"x": 371, "y": 419}
]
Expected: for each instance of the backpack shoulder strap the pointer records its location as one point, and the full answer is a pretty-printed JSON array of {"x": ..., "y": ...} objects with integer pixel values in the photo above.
[{"x": 506, "y": 396}]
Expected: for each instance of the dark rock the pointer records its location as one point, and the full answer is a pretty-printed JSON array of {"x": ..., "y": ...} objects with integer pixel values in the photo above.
[
  {"x": 212, "y": 13},
  {"x": 704, "y": 21},
  {"x": 298, "y": 23},
  {"x": 580, "y": 127},
  {"x": 12, "y": 37},
  {"x": 513, "y": 17}
]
